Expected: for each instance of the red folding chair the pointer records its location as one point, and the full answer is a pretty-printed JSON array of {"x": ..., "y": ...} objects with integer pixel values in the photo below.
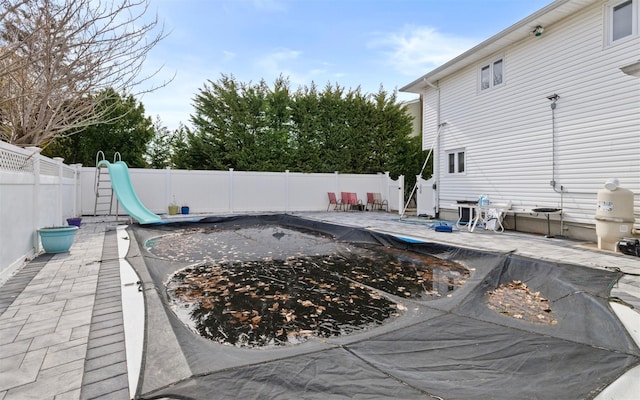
[
  {"x": 344, "y": 200},
  {"x": 371, "y": 203},
  {"x": 354, "y": 203},
  {"x": 337, "y": 204}
]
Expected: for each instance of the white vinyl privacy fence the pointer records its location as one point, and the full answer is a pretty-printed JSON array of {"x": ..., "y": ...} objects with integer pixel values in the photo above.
[
  {"x": 244, "y": 191},
  {"x": 36, "y": 191}
]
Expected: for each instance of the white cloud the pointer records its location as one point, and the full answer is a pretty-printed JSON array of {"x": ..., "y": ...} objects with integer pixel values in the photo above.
[
  {"x": 272, "y": 62},
  {"x": 416, "y": 50},
  {"x": 228, "y": 56},
  {"x": 283, "y": 62},
  {"x": 318, "y": 72},
  {"x": 300, "y": 71}
]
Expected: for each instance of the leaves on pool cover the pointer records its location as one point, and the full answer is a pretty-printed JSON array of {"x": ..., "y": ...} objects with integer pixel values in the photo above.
[
  {"x": 401, "y": 273},
  {"x": 208, "y": 244},
  {"x": 517, "y": 301},
  {"x": 269, "y": 303},
  {"x": 285, "y": 296}
]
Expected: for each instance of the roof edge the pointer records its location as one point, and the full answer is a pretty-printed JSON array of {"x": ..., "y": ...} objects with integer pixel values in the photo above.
[{"x": 504, "y": 33}]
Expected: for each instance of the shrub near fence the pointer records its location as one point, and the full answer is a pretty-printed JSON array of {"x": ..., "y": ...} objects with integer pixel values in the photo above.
[{"x": 36, "y": 191}]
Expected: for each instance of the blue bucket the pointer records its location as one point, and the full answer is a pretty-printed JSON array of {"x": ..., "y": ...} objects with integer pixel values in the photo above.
[{"x": 74, "y": 221}]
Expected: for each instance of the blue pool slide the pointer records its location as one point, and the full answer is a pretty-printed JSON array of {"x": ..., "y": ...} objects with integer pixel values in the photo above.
[{"x": 121, "y": 184}]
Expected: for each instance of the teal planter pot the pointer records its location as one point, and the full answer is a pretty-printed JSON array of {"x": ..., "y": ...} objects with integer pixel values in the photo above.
[{"x": 57, "y": 239}]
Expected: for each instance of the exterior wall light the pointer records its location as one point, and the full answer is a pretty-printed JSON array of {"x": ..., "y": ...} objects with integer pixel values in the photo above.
[{"x": 538, "y": 31}]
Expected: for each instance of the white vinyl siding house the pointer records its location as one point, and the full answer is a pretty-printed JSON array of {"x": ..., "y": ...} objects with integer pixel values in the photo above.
[{"x": 515, "y": 148}]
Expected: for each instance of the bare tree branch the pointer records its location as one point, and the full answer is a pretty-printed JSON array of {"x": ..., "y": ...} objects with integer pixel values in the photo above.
[{"x": 57, "y": 55}]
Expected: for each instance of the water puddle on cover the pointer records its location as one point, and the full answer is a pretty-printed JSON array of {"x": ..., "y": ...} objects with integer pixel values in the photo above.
[{"x": 267, "y": 286}]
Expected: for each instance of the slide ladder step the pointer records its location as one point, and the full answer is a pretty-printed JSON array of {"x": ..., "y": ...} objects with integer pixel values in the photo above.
[{"x": 104, "y": 192}]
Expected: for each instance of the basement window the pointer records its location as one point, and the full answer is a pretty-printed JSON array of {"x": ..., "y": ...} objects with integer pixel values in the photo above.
[
  {"x": 456, "y": 161},
  {"x": 492, "y": 75}
]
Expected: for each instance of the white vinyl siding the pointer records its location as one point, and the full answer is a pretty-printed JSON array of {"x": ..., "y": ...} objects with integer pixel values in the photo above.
[{"x": 507, "y": 134}]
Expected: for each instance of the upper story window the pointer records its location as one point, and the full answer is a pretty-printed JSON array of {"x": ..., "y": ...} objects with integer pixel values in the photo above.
[
  {"x": 491, "y": 75},
  {"x": 621, "y": 19}
]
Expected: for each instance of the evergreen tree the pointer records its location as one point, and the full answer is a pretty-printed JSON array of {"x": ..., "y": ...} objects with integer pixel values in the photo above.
[
  {"x": 158, "y": 154},
  {"x": 180, "y": 148},
  {"x": 255, "y": 127}
]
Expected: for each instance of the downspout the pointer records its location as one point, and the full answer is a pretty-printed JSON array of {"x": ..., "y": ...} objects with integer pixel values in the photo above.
[
  {"x": 554, "y": 184},
  {"x": 436, "y": 148},
  {"x": 632, "y": 70}
]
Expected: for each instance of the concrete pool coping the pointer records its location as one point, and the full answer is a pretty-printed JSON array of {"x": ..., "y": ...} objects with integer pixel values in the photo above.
[{"x": 58, "y": 327}]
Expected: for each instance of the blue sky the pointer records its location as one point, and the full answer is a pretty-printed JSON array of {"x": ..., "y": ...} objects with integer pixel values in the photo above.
[{"x": 353, "y": 43}]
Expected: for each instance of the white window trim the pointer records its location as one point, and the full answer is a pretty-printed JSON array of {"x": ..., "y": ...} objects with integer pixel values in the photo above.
[
  {"x": 490, "y": 64},
  {"x": 608, "y": 22},
  {"x": 455, "y": 153}
]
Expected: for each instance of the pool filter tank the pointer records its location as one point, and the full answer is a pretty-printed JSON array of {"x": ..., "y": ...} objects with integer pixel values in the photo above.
[{"x": 614, "y": 214}]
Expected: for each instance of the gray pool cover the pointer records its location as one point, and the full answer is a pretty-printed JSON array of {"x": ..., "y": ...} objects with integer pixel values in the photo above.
[{"x": 451, "y": 348}]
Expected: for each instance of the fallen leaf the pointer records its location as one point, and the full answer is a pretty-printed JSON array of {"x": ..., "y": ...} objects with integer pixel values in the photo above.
[{"x": 306, "y": 303}]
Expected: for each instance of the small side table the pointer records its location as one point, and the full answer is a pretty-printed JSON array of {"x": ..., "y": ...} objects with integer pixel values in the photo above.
[
  {"x": 474, "y": 215},
  {"x": 547, "y": 212}
]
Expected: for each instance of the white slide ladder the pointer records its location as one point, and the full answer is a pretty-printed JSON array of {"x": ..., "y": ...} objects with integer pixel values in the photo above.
[{"x": 103, "y": 188}]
